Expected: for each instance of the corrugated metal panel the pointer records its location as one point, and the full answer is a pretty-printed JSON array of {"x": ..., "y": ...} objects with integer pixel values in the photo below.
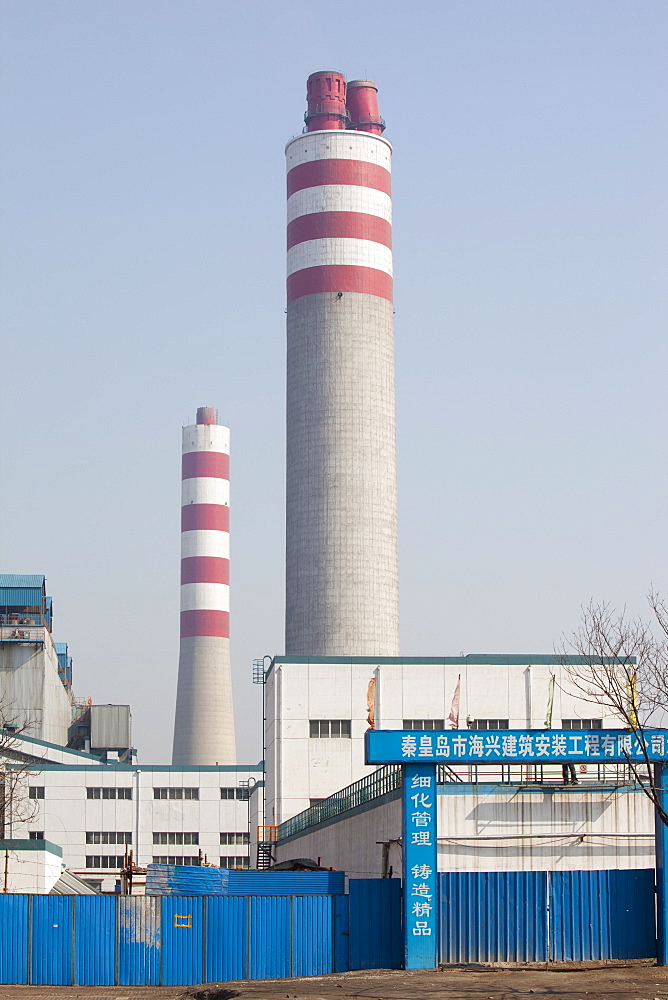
[
  {"x": 21, "y": 580},
  {"x": 312, "y": 929},
  {"x": 51, "y": 941},
  {"x": 270, "y": 937},
  {"x": 375, "y": 923},
  {"x": 341, "y": 933},
  {"x": 598, "y": 915},
  {"x": 226, "y": 938},
  {"x": 138, "y": 941},
  {"x": 183, "y": 880},
  {"x": 20, "y": 597},
  {"x": 13, "y": 939},
  {"x": 94, "y": 940},
  {"x": 182, "y": 940},
  {"x": 493, "y": 917}
]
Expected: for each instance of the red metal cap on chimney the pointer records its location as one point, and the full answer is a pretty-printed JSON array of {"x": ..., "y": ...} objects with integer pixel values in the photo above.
[
  {"x": 326, "y": 98},
  {"x": 363, "y": 107},
  {"x": 207, "y": 415}
]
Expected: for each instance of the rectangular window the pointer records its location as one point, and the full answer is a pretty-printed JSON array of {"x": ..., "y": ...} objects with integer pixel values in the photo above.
[
  {"x": 329, "y": 729},
  {"x": 241, "y": 794},
  {"x": 178, "y": 837},
  {"x": 104, "y": 861},
  {"x": 36, "y": 792},
  {"x": 234, "y": 838},
  {"x": 424, "y": 723},
  {"x": 230, "y": 861},
  {"x": 175, "y": 859},
  {"x": 176, "y": 793},
  {"x": 108, "y": 837},
  {"x": 37, "y": 835},
  {"x": 489, "y": 724},
  {"x": 109, "y": 793},
  {"x": 581, "y": 723}
]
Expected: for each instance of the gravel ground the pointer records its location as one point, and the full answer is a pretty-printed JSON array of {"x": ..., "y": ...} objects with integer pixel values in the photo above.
[{"x": 635, "y": 981}]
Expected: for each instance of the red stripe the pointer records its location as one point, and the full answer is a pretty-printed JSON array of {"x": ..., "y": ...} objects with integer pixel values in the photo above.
[
  {"x": 339, "y": 278},
  {"x": 358, "y": 172},
  {"x": 212, "y": 464},
  {"x": 205, "y": 623},
  {"x": 205, "y": 569},
  {"x": 353, "y": 225},
  {"x": 205, "y": 516}
]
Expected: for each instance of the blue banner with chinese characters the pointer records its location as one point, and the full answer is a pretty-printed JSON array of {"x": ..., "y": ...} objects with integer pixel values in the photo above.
[
  {"x": 420, "y": 866},
  {"x": 546, "y": 746}
]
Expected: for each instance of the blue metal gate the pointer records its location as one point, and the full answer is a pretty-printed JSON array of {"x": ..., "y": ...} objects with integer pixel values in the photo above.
[
  {"x": 375, "y": 924},
  {"x": 524, "y": 917}
]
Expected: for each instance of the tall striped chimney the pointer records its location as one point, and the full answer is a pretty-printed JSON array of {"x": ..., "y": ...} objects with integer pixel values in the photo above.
[
  {"x": 342, "y": 592},
  {"x": 204, "y": 723}
]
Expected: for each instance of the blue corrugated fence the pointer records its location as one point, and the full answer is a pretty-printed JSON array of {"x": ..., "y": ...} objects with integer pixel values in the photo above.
[{"x": 182, "y": 940}]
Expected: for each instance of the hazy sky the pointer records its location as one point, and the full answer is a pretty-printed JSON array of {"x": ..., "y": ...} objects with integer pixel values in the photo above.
[{"x": 143, "y": 276}]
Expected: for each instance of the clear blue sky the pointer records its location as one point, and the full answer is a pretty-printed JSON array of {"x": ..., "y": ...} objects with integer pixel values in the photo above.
[{"x": 143, "y": 276}]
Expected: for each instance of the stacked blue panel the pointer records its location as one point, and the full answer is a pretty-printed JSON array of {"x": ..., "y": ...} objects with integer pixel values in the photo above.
[{"x": 183, "y": 880}]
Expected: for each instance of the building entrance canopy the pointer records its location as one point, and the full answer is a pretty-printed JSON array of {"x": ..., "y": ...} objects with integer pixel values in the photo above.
[{"x": 419, "y": 753}]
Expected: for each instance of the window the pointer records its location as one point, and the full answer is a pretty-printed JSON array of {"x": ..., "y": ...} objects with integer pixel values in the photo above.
[
  {"x": 230, "y": 861},
  {"x": 109, "y": 793},
  {"x": 329, "y": 729},
  {"x": 424, "y": 723},
  {"x": 105, "y": 861},
  {"x": 176, "y": 838},
  {"x": 108, "y": 837},
  {"x": 235, "y": 838},
  {"x": 241, "y": 794},
  {"x": 36, "y": 792},
  {"x": 314, "y": 802},
  {"x": 176, "y": 793},
  {"x": 489, "y": 724},
  {"x": 581, "y": 723},
  {"x": 37, "y": 834},
  {"x": 173, "y": 859}
]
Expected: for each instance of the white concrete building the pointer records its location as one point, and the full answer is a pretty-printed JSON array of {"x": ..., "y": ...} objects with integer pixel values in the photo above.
[
  {"x": 93, "y": 809},
  {"x": 317, "y": 711}
]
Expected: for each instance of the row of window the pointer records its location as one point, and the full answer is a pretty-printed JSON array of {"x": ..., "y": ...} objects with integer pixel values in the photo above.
[
  {"x": 235, "y": 838},
  {"x": 329, "y": 729},
  {"x": 109, "y": 837},
  {"x": 241, "y": 794},
  {"x": 112, "y": 861},
  {"x": 332, "y": 729},
  {"x": 175, "y": 838}
]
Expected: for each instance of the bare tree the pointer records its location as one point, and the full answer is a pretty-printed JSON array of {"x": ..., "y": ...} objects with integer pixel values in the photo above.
[
  {"x": 16, "y": 806},
  {"x": 625, "y": 670}
]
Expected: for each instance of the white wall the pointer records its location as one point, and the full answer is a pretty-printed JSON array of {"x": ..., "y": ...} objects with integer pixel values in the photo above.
[
  {"x": 493, "y": 828},
  {"x": 30, "y": 687},
  {"x": 29, "y": 870},
  {"x": 300, "y": 768}
]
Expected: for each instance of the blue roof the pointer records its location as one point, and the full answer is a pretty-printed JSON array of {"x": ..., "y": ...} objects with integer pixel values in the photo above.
[
  {"x": 21, "y": 580},
  {"x": 61, "y": 647}
]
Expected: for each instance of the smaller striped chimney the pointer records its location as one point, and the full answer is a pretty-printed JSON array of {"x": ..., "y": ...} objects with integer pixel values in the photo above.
[{"x": 204, "y": 722}]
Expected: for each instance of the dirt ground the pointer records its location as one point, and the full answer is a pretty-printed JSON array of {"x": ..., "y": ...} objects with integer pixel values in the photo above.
[{"x": 635, "y": 981}]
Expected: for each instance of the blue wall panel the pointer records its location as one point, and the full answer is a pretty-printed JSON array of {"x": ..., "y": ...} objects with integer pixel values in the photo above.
[
  {"x": 182, "y": 940},
  {"x": 94, "y": 940},
  {"x": 226, "y": 938},
  {"x": 341, "y": 933},
  {"x": 270, "y": 937},
  {"x": 312, "y": 930},
  {"x": 493, "y": 917},
  {"x": 13, "y": 939},
  {"x": 139, "y": 940},
  {"x": 375, "y": 923},
  {"x": 51, "y": 943},
  {"x": 598, "y": 915}
]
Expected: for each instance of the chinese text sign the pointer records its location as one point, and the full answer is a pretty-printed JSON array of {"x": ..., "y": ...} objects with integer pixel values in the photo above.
[
  {"x": 547, "y": 746},
  {"x": 420, "y": 895}
]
